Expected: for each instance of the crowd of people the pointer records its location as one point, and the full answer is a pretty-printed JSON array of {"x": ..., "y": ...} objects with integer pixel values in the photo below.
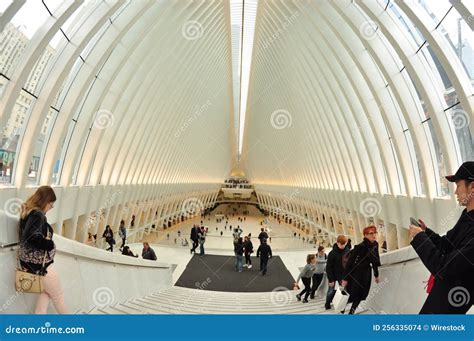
[{"x": 449, "y": 258}]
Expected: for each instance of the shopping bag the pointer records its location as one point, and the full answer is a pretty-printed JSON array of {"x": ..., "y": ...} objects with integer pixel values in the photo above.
[{"x": 340, "y": 300}]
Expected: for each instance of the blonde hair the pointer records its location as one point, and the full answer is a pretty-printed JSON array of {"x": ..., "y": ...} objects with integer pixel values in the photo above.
[{"x": 38, "y": 201}]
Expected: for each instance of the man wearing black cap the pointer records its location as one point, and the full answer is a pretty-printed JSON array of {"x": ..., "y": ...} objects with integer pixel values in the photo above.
[{"x": 450, "y": 258}]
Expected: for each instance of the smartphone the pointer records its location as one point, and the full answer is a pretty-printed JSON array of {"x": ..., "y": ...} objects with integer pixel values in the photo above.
[{"x": 415, "y": 222}]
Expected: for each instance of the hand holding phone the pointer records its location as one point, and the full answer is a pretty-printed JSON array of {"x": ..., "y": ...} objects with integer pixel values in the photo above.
[{"x": 415, "y": 222}]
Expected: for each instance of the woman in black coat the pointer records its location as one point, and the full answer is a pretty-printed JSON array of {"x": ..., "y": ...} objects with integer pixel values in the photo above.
[
  {"x": 109, "y": 238},
  {"x": 358, "y": 270}
]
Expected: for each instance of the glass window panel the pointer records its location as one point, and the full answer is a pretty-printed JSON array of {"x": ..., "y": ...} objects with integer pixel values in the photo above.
[
  {"x": 41, "y": 68},
  {"x": 11, "y": 134},
  {"x": 12, "y": 46},
  {"x": 54, "y": 4},
  {"x": 461, "y": 121},
  {"x": 3, "y": 84},
  {"x": 439, "y": 161},
  {"x": 461, "y": 40},
  {"x": 407, "y": 23},
  {"x": 436, "y": 9},
  {"x": 417, "y": 170},
  {"x": 4, "y": 4},
  {"x": 38, "y": 148},
  {"x": 64, "y": 89},
  {"x": 56, "y": 175}
]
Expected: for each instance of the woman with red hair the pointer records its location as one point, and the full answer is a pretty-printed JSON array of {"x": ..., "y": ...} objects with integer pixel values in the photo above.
[{"x": 358, "y": 271}]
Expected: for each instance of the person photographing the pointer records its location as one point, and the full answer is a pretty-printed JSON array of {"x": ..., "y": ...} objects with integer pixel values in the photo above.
[{"x": 450, "y": 258}]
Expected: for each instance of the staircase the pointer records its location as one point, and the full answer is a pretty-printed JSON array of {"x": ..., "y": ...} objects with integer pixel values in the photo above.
[{"x": 179, "y": 300}]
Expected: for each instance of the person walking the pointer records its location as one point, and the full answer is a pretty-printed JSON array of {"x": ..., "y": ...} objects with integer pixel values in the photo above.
[
  {"x": 450, "y": 258},
  {"x": 321, "y": 259},
  {"x": 202, "y": 240},
  {"x": 264, "y": 252},
  {"x": 109, "y": 238},
  {"x": 148, "y": 252},
  {"x": 122, "y": 234},
  {"x": 358, "y": 272},
  {"x": 37, "y": 247},
  {"x": 334, "y": 268},
  {"x": 262, "y": 235},
  {"x": 195, "y": 237},
  {"x": 305, "y": 275},
  {"x": 248, "y": 250},
  {"x": 239, "y": 251}
]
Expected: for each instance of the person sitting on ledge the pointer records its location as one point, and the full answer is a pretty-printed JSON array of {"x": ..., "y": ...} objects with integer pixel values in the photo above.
[{"x": 148, "y": 252}]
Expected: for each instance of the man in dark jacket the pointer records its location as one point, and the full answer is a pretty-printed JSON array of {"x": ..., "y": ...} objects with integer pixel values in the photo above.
[
  {"x": 334, "y": 267},
  {"x": 450, "y": 258},
  {"x": 195, "y": 232},
  {"x": 262, "y": 235},
  {"x": 264, "y": 252},
  {"x": 148, "y": 252}
]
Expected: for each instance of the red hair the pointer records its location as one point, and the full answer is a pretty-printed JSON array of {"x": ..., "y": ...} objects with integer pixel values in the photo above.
[{"x": 368, "y": 229}]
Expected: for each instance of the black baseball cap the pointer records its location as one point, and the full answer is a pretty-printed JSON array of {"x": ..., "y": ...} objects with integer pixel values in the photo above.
[{"x": 465, "y": 172}]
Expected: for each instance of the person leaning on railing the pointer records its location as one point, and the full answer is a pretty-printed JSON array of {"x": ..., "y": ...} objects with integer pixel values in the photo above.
[{"x": 36, "y": 237}]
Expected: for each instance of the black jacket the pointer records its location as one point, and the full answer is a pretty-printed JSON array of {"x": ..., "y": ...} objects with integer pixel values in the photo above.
[
  {"x": 358, "y": 272},
  {"x": 239, "y": 249},
  {"x": 334, "y": 268},
  {"x": 264, "y": 251},
  {"x": 451, "y": 259},
  {"x": 195, "y": 234},
  {"x": 149, "y": 254},
  {"x": 34, "y": 230},
  {"x": 248, "y": 246}
]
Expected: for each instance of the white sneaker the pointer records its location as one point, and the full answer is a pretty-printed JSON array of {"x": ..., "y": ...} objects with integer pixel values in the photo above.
[
  {"x": 250, "y": 266},
  {"x": 245, "y": 265}
]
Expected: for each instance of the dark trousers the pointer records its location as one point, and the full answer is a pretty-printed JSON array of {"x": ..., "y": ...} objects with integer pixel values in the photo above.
[
  {"x": 317, "y": 279},
  {"x": 263, "y": 265},
  {"x": 330, "y": 295},
  {"x": 123, "y": 242},
  {"x": 354, "y": 306},
  {"x": 111, "y": 247},
  {"x": 247, "y": 259},
  {"x": 307, "y": 287},
  {"x": 195, "y": 245}
]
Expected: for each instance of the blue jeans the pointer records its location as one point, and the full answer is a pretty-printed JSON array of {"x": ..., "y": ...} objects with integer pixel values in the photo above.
[
  {"x": 238, "y": 262},
  {"x": 330, "y": 295}
]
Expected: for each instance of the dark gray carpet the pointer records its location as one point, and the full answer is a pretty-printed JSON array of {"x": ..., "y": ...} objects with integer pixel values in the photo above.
[{"x": 217, "y": 273}]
